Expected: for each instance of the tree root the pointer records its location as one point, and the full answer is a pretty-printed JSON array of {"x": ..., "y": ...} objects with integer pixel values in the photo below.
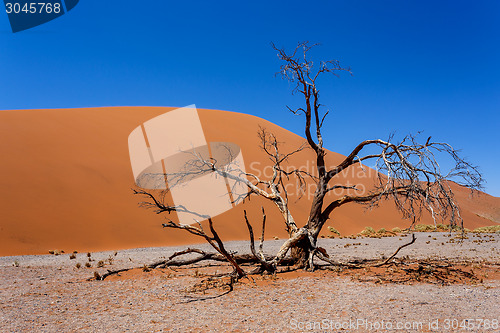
[
  {"x": 262, "y": 260},
  {"x": 390, "y": 271},
  {"x": 173, "y": 262},
  {"x": 395, "y": 271},
  {"x": 322, "y": 255},
  {"x": 413, "y": 239}
]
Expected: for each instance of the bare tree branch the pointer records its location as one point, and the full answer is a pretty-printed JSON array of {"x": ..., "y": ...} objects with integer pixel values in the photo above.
[{"x": 407, "y": 173}]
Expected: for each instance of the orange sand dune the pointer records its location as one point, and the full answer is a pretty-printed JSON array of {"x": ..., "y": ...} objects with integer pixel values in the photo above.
[{"x": 66, "y": 183}]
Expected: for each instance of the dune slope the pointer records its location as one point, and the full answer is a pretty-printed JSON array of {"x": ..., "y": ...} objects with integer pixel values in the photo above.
[{"x": 66, "y": 183}]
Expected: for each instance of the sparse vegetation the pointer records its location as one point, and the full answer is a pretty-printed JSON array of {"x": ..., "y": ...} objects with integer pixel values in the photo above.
[
  {"x": 333, "y": 231},
  {"x": 489, "y": 229},
  {"x": 425, "y": 228},
  {"x": 441, "y": 228},
  {"x": 367, "y": 231}
]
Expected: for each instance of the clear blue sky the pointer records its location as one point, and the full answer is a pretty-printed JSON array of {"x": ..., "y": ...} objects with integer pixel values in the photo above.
[{"x": 429, "y": 66}]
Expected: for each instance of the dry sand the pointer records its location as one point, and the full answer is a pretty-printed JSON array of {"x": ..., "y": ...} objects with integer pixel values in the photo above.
[
  {"x": 46, "y": 293},
  {"x": 66, "y": 183}
]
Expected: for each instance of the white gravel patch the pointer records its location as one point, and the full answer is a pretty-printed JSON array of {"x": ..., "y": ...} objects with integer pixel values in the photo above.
[{"x": 47, "y": 293}]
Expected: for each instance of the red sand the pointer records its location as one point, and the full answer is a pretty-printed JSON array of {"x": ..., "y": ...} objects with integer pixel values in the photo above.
[{"x": 66, "y": 183}]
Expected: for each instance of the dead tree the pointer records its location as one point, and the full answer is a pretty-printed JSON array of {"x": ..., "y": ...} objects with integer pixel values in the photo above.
[{"x": 408, "y": 174}]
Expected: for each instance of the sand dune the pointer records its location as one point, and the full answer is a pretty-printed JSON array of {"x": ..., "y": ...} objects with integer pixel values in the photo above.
[{"x": 66, "y": 183}]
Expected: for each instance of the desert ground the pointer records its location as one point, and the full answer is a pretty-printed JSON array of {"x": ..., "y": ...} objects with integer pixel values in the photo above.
[
  {"x": 48, "y": 293},
  {"x": 68, "y": 215}
]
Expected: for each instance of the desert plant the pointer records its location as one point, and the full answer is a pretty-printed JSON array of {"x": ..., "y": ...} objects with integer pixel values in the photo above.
[
  {"x": 334, "y": 231},
  {"x": 367, "y": 231},
  {"x": 425, "y": 227}
]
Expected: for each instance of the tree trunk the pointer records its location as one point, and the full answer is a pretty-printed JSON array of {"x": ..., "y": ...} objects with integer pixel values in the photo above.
[{"x": 300, "y": 253}]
